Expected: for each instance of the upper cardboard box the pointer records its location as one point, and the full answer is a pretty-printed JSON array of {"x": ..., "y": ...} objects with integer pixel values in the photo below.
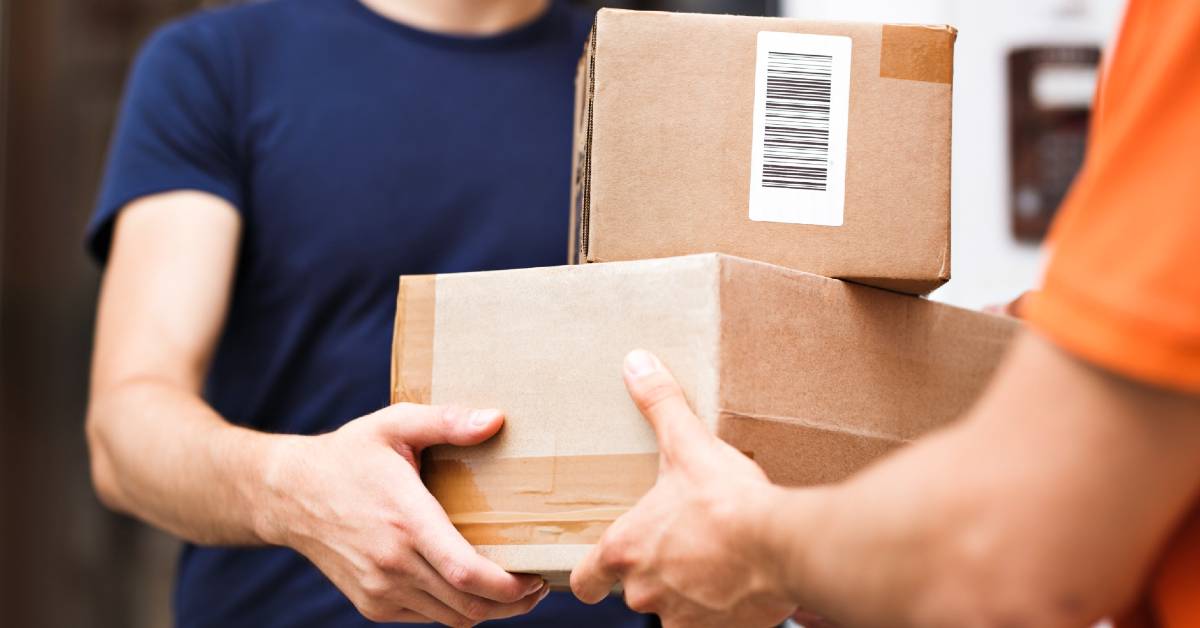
[{"x": 820, "y": 146}]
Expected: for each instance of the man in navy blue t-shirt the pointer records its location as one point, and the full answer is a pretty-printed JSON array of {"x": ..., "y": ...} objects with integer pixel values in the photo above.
[{"x": 276, "y": 167}]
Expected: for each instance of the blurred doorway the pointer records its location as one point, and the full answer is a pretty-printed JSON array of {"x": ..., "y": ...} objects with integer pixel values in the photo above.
[{"x": 66, "y": 561}]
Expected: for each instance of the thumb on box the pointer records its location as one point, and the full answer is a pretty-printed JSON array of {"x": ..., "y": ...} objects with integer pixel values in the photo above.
[
  {"x": 421, "y": 426},
  {"x": 658, "y": 396}
]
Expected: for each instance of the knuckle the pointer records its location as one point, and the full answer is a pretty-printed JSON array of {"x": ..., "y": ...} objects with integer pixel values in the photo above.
[
  {"x": 655, "y": 393},
  {"x": 614, "y": 534},
  {"x": 477, "y": 609},
  {"x": 450, "y": 417},
  {"x": 391, "y": 560},
  {"x": 401, "y": 569},
  {"x": 616, "y": 554},
  {"x": 723, "y": 512},
  {"x": 375, "y": 587},
  {"x": 642, "y": 599},
  {"x": 459, "y": 575},
  {"x": 374, "y": 611}
]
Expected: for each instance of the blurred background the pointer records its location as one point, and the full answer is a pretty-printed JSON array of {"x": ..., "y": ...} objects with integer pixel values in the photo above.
[{"x": 1024, "y": 73}]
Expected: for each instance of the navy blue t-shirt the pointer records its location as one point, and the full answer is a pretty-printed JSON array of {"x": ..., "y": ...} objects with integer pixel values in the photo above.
[{"x": 356, "y": 149}]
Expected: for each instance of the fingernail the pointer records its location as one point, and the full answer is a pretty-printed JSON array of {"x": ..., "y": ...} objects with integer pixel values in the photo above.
[
  {"x": 534, "y": 589},
  {"x": 544, "y": 593},
  {"x": 640, "y": 363},
  {"x": 483, "y": 418}
]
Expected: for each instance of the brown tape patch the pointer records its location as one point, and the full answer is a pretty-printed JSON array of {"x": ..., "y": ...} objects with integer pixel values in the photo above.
[
  {"x": 548, "y": 500},
  {"x": 917, "y": 53},
  {"x": 412, "y": 339}
]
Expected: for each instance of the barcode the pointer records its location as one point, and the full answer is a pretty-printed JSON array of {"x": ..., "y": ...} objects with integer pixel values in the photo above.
[
  {"x": 795, "y": 151},
  {"x": 801, "y": 123}
]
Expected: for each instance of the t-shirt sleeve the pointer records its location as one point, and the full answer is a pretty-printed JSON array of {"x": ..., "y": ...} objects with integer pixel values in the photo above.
[
  {"x": 174, "y": 130},
  {"x": 1122, "y": 287}
]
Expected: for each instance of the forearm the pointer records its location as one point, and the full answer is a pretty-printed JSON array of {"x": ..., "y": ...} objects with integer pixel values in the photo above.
[
  {"x": 1045, "y": 506},
  {"x": 163, "y": 455},
  {"x": 898, "y": 547}
]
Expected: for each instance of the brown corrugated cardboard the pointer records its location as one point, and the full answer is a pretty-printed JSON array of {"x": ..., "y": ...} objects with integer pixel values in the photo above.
[
  {"x": 665, "y": 130},
  {"x": 812, "y": 377}
]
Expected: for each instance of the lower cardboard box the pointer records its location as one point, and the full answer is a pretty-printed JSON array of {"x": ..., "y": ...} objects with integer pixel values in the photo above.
[{"x": 812, "y": 377}]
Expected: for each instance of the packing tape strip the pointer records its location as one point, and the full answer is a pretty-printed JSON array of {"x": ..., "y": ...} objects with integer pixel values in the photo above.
[
  {"x": 917, "y": 53},
  {"x": 542, "y": 500},
  {"x": 412, "y": 340}
]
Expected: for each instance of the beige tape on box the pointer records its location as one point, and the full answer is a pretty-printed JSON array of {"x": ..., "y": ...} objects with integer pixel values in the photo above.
[
  {"x": 546, "y": 500},
  {"x": 540, "y": 500},
  {"x": 412, "y": 351}
]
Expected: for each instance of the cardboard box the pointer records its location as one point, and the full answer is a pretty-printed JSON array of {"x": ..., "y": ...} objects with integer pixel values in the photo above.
[
  {"x": 671, "y": 142},
  {"x": 812, "y": 377}
]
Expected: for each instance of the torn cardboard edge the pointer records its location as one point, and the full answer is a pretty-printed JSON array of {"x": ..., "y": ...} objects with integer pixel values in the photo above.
[
  {"x": 581, "y": 167},
  {"x": 903, "y": 285}
]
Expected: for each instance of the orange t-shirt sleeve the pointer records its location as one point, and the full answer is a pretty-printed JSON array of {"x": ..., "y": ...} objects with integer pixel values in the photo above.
[{"x": 1122, "y": 287}]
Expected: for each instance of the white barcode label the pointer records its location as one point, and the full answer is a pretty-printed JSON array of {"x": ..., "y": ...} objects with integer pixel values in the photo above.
[{"x": 801, "y": 113}]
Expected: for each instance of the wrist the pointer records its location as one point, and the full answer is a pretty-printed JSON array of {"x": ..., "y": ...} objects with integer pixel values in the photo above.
[
  {"x": 790, "y": 536},
  {"x": 764, "y": 537},
  {"x": 271, "y": 488}
]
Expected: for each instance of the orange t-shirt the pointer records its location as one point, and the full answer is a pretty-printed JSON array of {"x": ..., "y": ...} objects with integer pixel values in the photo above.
[{"x": 1122, "y": 288}]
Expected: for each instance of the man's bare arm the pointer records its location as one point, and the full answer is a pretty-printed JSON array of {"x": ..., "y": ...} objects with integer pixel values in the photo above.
[
  {"x": 1045, "y": 506},
  {"x": 158, "y": 451},
  {"x": 350, "y": 500}
]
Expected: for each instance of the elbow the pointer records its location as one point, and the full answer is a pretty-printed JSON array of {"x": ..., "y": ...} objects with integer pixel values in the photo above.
[
  {"x": 103, "y": 472},
  {"x": 1007, "y": 585},
  {"x": 1025, "y": 610}
]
